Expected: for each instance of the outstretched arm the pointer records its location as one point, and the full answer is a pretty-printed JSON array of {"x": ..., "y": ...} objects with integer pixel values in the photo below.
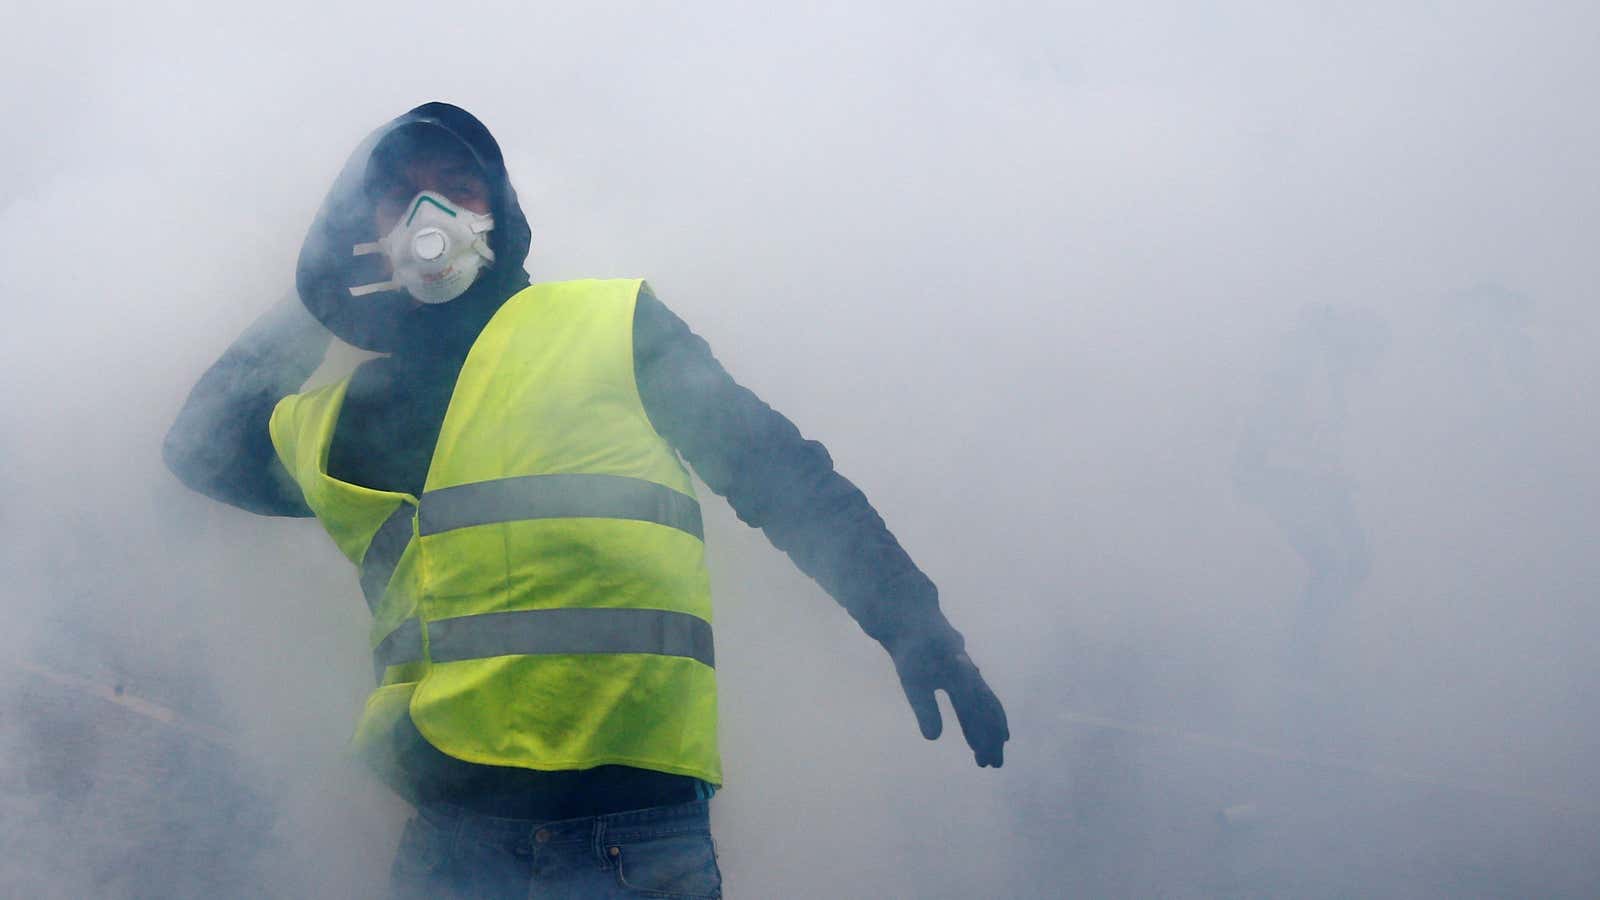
[
  {"x": 778, "y": 481},
  {"x": 219, "y": 444}
]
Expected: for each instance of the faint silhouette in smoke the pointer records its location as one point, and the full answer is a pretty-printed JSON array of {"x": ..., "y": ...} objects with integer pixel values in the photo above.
[
  {"x": 1486, "y": 331},
  {"x": 1290, "y": 462}
]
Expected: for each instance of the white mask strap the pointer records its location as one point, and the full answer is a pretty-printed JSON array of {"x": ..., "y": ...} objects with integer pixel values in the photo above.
[{"x": 377, "y": 287}]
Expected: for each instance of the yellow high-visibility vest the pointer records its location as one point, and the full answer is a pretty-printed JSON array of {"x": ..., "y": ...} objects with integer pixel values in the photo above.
[{"x": 545, "y": 603}]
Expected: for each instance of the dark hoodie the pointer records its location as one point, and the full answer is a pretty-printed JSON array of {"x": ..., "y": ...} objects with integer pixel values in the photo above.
[{"x": 740, "y": 447}]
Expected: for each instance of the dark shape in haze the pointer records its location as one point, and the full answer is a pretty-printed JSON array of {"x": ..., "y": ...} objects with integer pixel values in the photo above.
[{"x": 1290, "y": 462}]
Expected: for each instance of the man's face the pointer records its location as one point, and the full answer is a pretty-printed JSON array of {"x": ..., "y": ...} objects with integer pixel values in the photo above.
[{"x": 451, "y": 173}]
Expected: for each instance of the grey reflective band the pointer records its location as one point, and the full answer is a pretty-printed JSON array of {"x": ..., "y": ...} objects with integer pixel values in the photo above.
[
  {"x": 537, "y": 632},
  {"x": 543, "y": 631},
  {"x": 557, "y": 497},
  {"x": 383, "y": 554},
  {"x": 400, "y": 646}
]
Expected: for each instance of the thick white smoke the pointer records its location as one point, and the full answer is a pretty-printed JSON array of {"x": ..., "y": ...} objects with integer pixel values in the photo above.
[{"x": 1028, "y": 270}]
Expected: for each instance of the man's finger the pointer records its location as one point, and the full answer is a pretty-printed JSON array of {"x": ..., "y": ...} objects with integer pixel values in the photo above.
[
  {"x": 986, "y": 735},
  {"x": 926, "y": 708},
  {"x": 982, "y": 718}
]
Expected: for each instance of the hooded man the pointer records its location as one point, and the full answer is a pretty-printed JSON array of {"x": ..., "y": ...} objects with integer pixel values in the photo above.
[{"x": 507, "y": 480}]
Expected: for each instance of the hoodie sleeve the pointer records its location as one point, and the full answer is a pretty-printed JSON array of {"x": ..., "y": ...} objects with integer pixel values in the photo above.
[
  {"x": 219, "y": 445},
  {"x": 777, "y": 480}
]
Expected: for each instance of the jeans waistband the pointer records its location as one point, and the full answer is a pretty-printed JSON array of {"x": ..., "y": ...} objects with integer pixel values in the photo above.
[{"x": 467, "y": 825}]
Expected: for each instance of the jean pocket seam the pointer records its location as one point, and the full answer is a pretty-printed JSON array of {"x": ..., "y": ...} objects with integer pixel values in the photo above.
[{"x": 644, "y": 891}]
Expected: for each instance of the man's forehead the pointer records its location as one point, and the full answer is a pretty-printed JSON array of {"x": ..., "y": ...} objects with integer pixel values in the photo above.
[
  {"x": 439, "y": 164},
  {"x": 418, "y": 153}
]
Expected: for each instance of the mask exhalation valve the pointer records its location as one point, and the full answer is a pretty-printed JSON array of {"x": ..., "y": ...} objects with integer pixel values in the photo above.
[{"x": 429, "y": 244}]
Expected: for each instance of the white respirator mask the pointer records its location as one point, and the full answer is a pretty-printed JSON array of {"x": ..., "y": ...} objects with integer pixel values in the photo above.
[{"x": 436, "y": 249}]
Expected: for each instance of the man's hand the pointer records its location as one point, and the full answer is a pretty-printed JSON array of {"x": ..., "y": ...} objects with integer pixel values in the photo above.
[{"x": 928, "y": 666}]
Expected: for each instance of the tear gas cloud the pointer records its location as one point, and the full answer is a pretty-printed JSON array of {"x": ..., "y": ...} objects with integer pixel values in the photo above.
[{"x": 1228, "y": 366}]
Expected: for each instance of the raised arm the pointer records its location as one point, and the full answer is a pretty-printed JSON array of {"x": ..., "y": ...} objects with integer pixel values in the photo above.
[
  {"x": 219, "y": 444},
  {"x": 777, "y": 480}
]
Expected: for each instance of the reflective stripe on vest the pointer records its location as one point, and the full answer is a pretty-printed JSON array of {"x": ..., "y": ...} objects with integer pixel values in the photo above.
[
  {"x": 383, "y": 554},
  {"x": 533, "y": 632},
  {"x": 400, "y": 646},
  {"x": 565, "y": 496}
]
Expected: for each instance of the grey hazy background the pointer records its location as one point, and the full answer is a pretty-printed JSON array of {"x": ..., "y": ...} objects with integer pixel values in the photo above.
[{"x": 1028, "y": 270}]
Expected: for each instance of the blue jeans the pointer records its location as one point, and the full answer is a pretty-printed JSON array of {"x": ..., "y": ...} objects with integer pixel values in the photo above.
[{"x": 664, "y": 852}]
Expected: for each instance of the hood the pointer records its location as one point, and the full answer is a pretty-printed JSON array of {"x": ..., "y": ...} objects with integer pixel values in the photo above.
[{"x": 391, "y": 322}]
